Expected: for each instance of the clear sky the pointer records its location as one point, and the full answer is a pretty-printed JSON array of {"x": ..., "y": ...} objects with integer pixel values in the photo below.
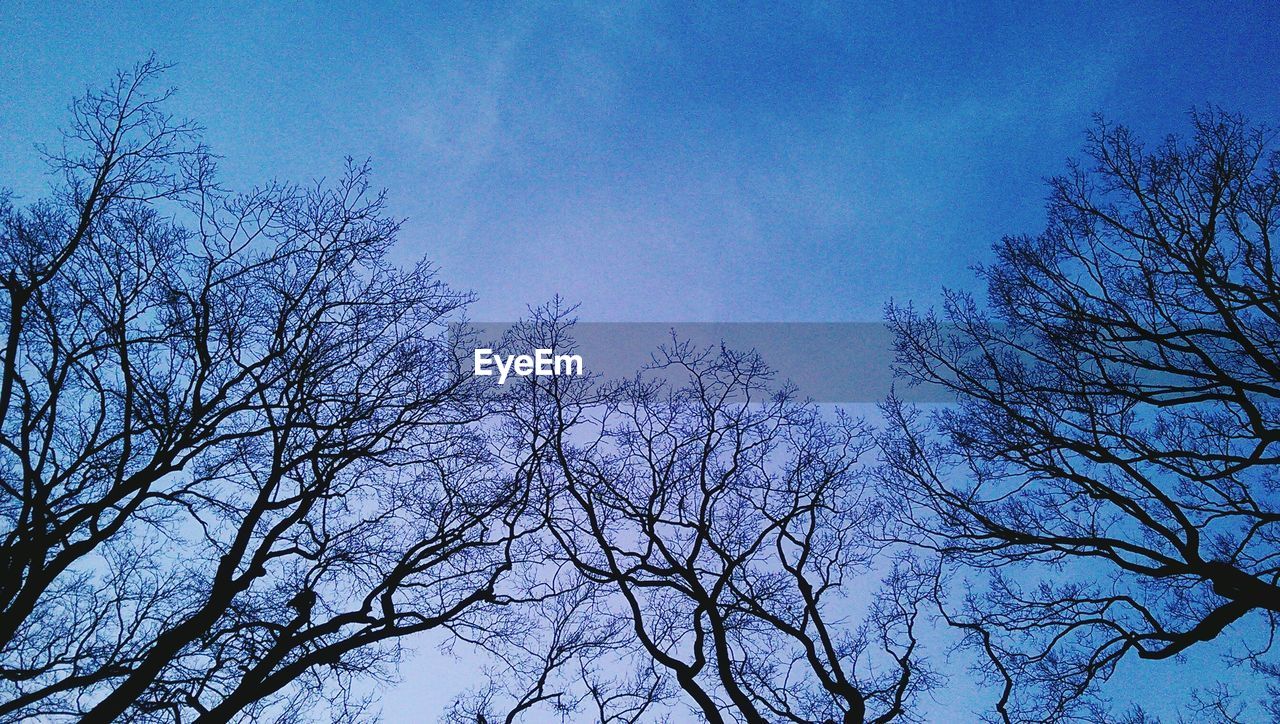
[{"x": 657, "y": 162}]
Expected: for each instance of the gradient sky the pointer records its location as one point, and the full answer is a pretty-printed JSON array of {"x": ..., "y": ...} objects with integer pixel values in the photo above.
[{"x": 658, "y": 162}]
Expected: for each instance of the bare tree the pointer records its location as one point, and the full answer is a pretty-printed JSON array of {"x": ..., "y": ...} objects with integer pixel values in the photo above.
[
  {"x": 717, "y": 523},
  {"x": 1106, "y": 482},
  {"x": 236, "y": 459}
]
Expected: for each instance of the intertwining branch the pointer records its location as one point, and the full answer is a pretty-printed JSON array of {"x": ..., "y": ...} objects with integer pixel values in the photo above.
[
  {"x": 716, "y": 536},
  {"x": 1107, "y": 481},
  {"x": 237, "y": 461}
]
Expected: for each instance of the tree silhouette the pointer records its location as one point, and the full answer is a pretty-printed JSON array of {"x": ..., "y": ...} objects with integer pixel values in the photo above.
[
  {"x": 1106, "y": 482},
  {"x": 236, "y": 459},
  {"x": 706, "y": 526}
]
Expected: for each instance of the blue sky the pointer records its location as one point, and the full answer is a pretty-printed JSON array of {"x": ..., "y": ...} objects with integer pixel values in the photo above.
[{"x": 659, "y": 162}]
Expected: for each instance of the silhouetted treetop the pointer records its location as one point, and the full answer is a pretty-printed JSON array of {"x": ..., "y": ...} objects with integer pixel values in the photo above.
[
  {"x": 235, "y": 442},
  {"x": 1111, "y": 463}
]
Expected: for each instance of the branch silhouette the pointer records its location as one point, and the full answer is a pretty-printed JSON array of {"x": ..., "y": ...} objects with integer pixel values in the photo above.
[{"x": 1106, "y": 482}]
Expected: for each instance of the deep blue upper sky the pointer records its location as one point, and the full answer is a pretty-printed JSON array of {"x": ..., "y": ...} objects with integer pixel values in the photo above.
[{"x": 659, "y": 162}]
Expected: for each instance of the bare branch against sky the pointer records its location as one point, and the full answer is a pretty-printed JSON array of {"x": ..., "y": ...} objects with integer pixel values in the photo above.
[{"x": 815, "y": 401}]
